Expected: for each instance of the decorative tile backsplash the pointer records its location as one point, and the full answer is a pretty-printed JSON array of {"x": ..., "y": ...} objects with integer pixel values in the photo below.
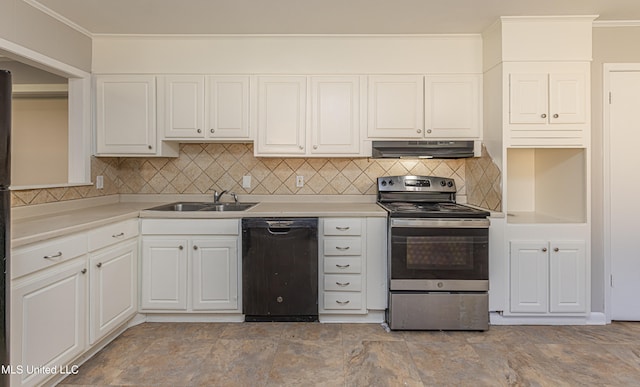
[
  {"x": 201, "y": 168},
  {"x": 484, "y": 188}
]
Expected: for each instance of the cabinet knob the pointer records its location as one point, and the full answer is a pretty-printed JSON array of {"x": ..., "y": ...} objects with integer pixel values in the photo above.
[
  {"x": 556, "y": 115},
  {"x": 301, "y": 147},
  {"x": 150, "y": 147},
  {"x": 419, "y": 131},
  {"x": 543, "y": 115},
  {"x": 429, "y": 131},
  {"x": 199, "y": 131},
  {"x": 556, "y": 249},
  {"x": 544, "y": 249},
  {"x": 315, "y": 147},
  {"x": 195, "y": 247},
  {"x": 180, "y": 247},
  {"x": 99, "y": 264},
  {"x": 212, "y": 130},
  {"x": 83, "y": 271}
]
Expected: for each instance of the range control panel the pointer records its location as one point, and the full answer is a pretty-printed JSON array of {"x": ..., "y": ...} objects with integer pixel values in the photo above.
[{"x": 416, "y": 183}]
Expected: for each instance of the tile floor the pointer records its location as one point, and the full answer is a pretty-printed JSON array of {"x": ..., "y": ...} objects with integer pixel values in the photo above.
[{"x": 313, "y": 354}]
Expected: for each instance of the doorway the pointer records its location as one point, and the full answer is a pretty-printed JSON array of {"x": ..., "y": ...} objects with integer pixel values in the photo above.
[{"x": 622, "y": 187}]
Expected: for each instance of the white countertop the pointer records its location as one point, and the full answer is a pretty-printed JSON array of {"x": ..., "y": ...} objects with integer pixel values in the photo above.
[{"x": 35, "y": 227}]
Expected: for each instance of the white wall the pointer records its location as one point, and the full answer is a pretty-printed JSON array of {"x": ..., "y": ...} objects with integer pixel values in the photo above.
[
  {"x": 31, "y": 28},
  {"x": 610, "y": 45},
  {"x": 289, "y": 54}
]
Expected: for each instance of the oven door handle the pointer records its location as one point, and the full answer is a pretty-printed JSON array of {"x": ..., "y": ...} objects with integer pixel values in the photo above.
[{"x": 441, "y": 223}]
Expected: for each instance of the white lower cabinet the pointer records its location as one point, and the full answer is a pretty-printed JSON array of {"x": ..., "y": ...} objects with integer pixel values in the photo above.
[
  {"x": 48, "y": 320},
  {"x": 66, "y": 290},
  {"x": 190, "y": 265},
  {"x": 113, "y": 291},
  {"x": 352, "y": 265},
  {"x": 548, "y": 277}
]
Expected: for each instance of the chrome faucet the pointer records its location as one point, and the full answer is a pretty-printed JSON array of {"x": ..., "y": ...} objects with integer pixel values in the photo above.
[{"x": 217, "y": 196}]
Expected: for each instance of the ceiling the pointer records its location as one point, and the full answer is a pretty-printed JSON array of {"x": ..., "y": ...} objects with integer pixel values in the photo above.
[{"x": 317, "y": 16}]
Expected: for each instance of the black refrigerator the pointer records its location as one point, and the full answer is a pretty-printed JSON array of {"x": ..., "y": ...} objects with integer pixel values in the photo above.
[{"x": 5, "y": 222}]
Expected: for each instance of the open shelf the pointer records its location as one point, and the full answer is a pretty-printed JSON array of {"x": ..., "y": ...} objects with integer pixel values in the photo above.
[{"x": 546, "y": 185}]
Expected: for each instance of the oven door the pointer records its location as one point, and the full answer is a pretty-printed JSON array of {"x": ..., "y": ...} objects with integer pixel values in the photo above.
[{"x": 439, "y": 254}]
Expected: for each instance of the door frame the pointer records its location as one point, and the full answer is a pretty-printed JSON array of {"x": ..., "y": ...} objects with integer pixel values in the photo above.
[{"x": 608, "y": 69}]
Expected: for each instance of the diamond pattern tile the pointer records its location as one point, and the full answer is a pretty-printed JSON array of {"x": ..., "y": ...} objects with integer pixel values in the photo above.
[{"x": 204, "y": 167}]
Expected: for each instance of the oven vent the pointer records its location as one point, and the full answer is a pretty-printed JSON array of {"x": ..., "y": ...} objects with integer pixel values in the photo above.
[{"x": 443, "y": 149}]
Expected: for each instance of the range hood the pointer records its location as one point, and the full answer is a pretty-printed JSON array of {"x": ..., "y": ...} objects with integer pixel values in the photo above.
[{"x": 443, "y": 149}]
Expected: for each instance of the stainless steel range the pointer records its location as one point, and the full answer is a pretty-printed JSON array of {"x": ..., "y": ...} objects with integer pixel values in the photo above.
[{"x": 438, "y": 256}]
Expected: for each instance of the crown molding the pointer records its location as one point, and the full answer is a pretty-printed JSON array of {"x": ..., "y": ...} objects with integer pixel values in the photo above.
[
  {"x": 615, "y": 23},
  {"x": 35, "y": 4}
]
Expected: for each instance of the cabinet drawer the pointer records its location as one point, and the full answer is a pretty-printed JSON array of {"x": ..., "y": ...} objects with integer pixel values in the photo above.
[
  {"x": 38, "y": 256},
  {"x": 342, "y": 301},
  {"x": 347, "y": 265},
  {"x": 112, "y": 233},
  {"x": 343, "y": 246},
  {"x": 342, "y": 226},
  {"x": 191, "y": 226},
  {"x": 343, "y": 282}
]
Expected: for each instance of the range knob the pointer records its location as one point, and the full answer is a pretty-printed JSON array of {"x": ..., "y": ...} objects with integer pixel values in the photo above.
[
  {"x": 390, "y": 182},
  {"x": 450, "y": 184},
  {"x": 384, "y": 183},
  {"x": 443, "y": 183}
]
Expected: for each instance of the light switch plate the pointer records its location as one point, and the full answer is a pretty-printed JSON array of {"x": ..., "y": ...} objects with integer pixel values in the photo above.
[
  {"x": 99, "y": 182},
  {"x": 299, "y": 181},
  {"x": 246, "y": 181}
]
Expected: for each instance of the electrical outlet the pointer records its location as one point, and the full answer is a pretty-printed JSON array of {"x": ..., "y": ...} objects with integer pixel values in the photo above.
[
  {"x": 99, "y": 182},
  {"x": 299, "y": 181},
  {"x": 246, "y": 181}
]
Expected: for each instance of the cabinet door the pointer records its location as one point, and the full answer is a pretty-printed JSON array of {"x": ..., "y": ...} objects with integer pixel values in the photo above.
[
  {"x": 452, "y": 106},
  {"x": 227, "y": 107},
  {"x": 529, "y": 276},
  {"x": 215, "y": 274},
  {"x": 126, "y": 114},
  {"x": 335, "y": 121},
  {"x": 567, "y": 99},
  {"x": 164, "y": 274},
  {"x": 396, "y": 106},
  {"x": 528, "y": 99},
  {"x": 183, "y": 115},
  {"x": 113, "y": 291},
  {"x": 48, "y": 320},
  {"x": 282, "y": 112},
  {"x": 568, "y": 277}
]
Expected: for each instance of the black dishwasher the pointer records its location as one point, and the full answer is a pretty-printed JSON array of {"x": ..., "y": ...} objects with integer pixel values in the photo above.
[{"x": 280, "y": 269}]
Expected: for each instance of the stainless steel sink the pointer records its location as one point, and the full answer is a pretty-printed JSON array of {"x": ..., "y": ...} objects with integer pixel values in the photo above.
[{"x": 203, "y": 206}]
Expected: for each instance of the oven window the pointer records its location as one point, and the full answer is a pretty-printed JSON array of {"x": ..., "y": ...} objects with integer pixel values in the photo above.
[
  {"x": 439, "y": 253},
  {"x": 452, "y": 253}
]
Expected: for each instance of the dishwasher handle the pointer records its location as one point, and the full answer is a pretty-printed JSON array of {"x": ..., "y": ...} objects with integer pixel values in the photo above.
[{"x": 279, "y": 230}]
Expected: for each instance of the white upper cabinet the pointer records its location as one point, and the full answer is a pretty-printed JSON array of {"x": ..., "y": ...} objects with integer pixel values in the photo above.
[
  {"x": 335, "y": 116},
  {"x": 199, "y": 107},
  {"x": 547, "y": 99},
  {"x": 453, "y": 106},
  {"x": 126, "y": 114},
  {"x": 282, "y": 112},
  {"x": 183, "y": 113},
  {"x": 396, "y": 106},
  {"x": 227, "y": 102}
]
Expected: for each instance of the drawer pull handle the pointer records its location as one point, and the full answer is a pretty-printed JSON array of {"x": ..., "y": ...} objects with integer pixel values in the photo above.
[
  {"x": 117, "y": 235},
  {"x": 343, "y": 284},
  {"x": 342, "y": 248},
  {"x": 99, "y": 264},
  {"x": 342, "y": 266},
  {"x": 58, "y": 254},
  {"x": 342, "y": 228},
  {"x": 342, "y": 302}
]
